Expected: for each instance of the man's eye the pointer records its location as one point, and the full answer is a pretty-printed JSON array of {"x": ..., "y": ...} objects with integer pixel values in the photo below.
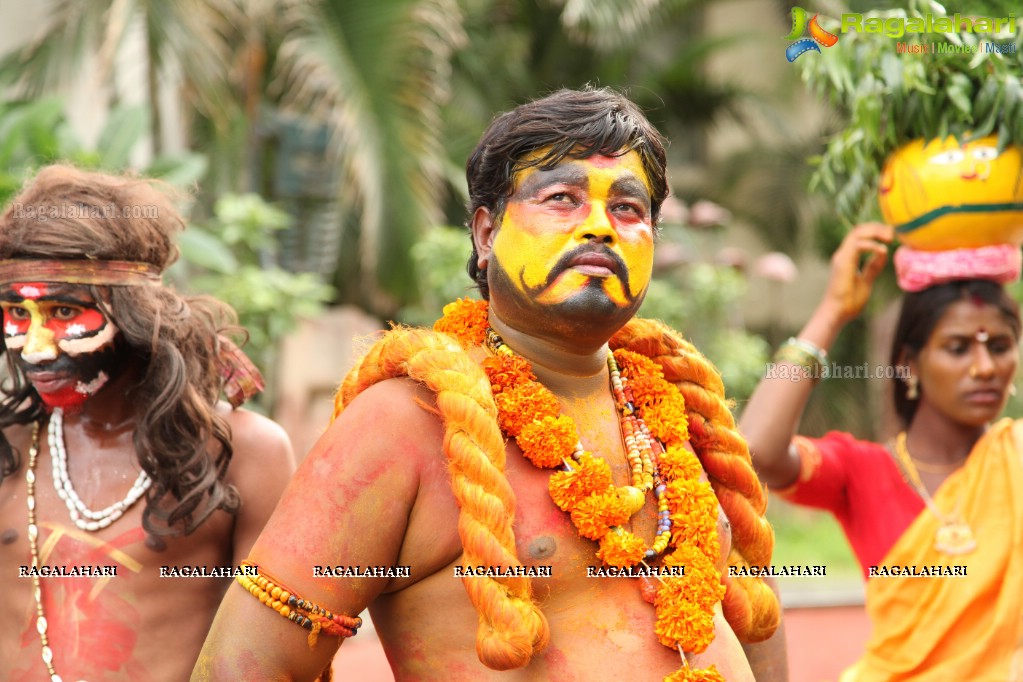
[
  {"x": 628, "y": 208},
  {"x": 17, "y": 313},
  {"x": 64, "y": 312}
]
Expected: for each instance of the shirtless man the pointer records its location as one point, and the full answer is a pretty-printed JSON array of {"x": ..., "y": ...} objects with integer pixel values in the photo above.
[
  {"x": 565, "y": 194},
  {"x": 113, "y": 392}
]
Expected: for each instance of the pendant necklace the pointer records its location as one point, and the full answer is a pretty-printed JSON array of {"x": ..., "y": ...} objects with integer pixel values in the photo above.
[{"x": 954, "y": 535}]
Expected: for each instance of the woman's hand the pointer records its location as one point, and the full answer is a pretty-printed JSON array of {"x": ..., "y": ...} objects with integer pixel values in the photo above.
[{"x": 850, "y": 285}]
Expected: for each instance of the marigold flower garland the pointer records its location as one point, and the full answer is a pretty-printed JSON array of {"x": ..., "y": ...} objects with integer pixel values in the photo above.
[{"x": 654, "y": 424}]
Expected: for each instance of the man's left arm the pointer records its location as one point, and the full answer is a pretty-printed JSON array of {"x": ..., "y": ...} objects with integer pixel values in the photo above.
[{"x": 260, "y": 469}]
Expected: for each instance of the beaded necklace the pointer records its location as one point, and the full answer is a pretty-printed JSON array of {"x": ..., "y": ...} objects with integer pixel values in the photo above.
[
  {"x": 640, "y": 454},
  {"x": 654, "y": 423},
  {"x": 82, "y": 516},
  {"x": 33, "y": 538}
]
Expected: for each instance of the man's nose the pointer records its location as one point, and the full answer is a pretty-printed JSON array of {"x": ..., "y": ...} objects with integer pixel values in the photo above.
[
  {"x": 597, "y": 226},
  {"x": 40, "y": 345}
]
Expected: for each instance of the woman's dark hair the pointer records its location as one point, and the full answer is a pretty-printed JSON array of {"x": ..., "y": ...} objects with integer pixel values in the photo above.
[
  {"x": 180, "y": 440},
  {"x": 573, "y": 124},
  {"x": 920, "y": 313}
]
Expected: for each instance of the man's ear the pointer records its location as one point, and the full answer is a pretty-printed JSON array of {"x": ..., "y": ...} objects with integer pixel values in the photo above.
[{"x": 484, "y": 229}]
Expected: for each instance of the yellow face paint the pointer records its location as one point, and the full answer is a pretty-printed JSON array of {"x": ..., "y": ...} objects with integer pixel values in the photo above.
[
  {"x": 37, "y": 343},
  {"x": 582, "y": 225}
]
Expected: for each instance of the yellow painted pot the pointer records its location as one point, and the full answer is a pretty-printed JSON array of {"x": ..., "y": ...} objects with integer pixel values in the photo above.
[{"x": 947, "y": 195}]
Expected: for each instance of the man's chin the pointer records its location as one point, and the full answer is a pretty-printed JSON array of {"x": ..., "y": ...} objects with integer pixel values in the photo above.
[
  {"x": 70, "y": 401},
  {"x": 595, "y": 305}
]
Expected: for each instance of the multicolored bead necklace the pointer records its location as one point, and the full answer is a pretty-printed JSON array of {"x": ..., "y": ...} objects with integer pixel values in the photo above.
[{"x": 639, "y": 445}]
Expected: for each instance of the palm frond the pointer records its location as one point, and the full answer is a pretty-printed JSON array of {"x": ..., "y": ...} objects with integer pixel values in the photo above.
[
  {"x": 187, "y": 34},
  {"x": 378, "y": 74}
]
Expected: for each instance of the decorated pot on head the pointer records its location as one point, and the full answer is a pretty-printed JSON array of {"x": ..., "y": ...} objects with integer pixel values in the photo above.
[{"x": 957, "y": 208}]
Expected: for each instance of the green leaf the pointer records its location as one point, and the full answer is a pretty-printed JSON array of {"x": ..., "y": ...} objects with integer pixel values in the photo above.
[
  {"x": 960, "y": 91},
  {"x": 181, "y": 170},
  {"x": 203, "y": 249},
  {"x": 121, "y": 133}
]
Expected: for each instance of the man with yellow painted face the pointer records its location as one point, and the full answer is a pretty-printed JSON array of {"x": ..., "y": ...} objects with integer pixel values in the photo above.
[
  {"x": 534, "y": 505},
  {"x": 120, "y": 471}
]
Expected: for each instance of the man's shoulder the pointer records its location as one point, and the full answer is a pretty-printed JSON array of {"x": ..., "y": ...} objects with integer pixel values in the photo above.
[
  {"x": 391, "y": 414},
  {"x": 398, "y": 398},
  {"x": 259, "y": 441}
]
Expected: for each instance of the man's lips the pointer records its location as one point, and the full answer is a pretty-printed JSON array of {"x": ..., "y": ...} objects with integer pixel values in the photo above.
[
  {"x": 50, "y": 382},
  {"x": 594, "y": 263}
]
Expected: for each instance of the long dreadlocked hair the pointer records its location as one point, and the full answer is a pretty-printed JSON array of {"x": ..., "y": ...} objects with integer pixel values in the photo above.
[
  {"x": 511, "y": 626},
  {"x": 66, "y": 213}
]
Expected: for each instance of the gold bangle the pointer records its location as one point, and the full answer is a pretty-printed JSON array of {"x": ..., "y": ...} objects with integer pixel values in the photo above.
[{"x": 803, "y": 354}]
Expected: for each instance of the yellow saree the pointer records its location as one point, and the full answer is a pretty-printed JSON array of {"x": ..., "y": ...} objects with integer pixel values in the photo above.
[{"x": 963, "y": 627}]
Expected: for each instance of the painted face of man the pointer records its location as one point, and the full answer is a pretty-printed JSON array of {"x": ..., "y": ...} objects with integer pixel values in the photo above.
[
  {"x": 578, "y": 236},
  {"x": 63, "y": 342}
]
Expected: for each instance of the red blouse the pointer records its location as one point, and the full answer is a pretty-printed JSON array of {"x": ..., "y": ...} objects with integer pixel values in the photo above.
[{"x": 859, "y": 482}]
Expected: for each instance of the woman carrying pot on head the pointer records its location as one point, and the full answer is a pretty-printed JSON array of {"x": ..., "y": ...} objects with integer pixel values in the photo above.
[{"x": 935, "y": 515}]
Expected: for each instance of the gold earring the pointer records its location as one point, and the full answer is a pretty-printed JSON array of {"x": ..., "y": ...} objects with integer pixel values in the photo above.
[
  {"x": 912, "y": 387},
  {"x": 1012, "y": 389}
]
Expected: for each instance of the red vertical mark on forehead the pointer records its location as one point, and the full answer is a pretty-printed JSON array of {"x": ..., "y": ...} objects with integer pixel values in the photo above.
[
  {"x": 603, "y": 161},
  {"x": 977, "y": 301}
]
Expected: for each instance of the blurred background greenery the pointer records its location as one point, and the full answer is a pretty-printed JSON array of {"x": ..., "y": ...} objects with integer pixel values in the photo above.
[{"x": 351, "y": 120}]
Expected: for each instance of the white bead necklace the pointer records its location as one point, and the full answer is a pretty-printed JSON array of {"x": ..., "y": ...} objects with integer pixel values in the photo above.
[{"x": 82, "y": 516}]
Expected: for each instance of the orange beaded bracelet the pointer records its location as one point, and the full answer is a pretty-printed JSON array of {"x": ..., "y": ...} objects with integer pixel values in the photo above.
[{"x": 302, "y": 612}]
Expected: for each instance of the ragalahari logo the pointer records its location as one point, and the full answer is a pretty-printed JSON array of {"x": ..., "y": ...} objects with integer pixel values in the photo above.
[{"x": 803, "y": 45}]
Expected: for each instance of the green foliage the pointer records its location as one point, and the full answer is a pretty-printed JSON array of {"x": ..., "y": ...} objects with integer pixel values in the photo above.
[
  {"x": 231, "y": 257},
  {"x": 891, "y": 99},
  {"x": 376, "y": 74},
  {"x": 701, "y": 301},
  {"x": 809, "y": 536},
  {"x": 33, "y": 134},
  {"x": 440, "y": 257},
  {"x": 36, "y": 134}
]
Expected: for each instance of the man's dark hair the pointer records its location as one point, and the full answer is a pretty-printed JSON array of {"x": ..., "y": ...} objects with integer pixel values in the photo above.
[
  {"x": 574, "y": 124},
  {"x": 920, "y": 313}
]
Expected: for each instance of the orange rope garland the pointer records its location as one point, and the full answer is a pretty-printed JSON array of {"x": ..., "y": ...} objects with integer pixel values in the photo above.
[{"x": 512, "y": 628}]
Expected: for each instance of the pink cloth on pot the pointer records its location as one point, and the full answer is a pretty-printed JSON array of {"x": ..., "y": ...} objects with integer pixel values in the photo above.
[{"x": 918, "y": 270}]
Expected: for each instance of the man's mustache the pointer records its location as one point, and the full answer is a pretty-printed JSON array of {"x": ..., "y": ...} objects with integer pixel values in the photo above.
[{"x": 621, "y": 270}]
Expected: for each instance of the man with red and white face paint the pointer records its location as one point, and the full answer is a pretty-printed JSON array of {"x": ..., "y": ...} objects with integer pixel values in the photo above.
[
  {"x": 526, "y": 455},
  {"x": 66, "y": 346},
  {"x": 114, "y": 439}
]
